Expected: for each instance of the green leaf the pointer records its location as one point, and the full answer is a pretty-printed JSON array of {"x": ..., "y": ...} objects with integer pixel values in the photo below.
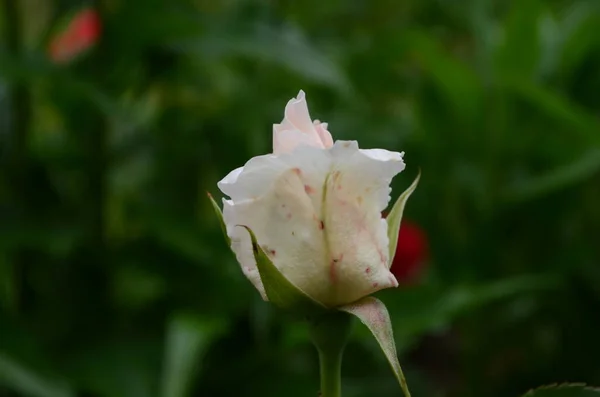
[
  {"x": 284, "y": 47},
  {"x": 557, "y": 107},
  {"x": 373, "y": 313},
  {"x": 519, "y": 54},
  {"x": 220, "y": 216},
  {"x": 459, "y": 85},
  {"x": 560, "y": 178},
  {"x": 280, "y": 291},
  {"x": 23, "y": 380},
  {"x": 566, "y": 390},
  {"x": 188, "y": 337},
  {"x": 395, "y": 216}
]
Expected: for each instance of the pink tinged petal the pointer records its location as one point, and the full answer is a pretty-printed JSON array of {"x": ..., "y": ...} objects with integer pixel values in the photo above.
[
  {"x": 324, "y": 135},
  {"x": 287, "y": 141},
  {"x": 296, "y": 112},
  {"x": 297, "y": 129},
  {"x": 373, "y": 313}
]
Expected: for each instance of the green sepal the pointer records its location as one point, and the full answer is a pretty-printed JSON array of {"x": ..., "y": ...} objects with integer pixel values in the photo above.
[
  {"x": 395, "y": 217},
  {"x": 220, "y": 216},
  {"x": 374, "y": 315},
  {"x": 279, "y": 290},
  {"x": 564, "y": 390}
]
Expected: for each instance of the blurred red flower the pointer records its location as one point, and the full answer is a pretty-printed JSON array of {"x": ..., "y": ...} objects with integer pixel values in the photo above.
[
  {"x": 81, "y": 33},
  {"x": 411, "y": 253}
]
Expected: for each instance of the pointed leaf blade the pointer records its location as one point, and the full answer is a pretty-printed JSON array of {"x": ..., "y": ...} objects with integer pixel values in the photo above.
[
  {"x": 22, "y": 379},
  {"x": 566, "y": 390},
  {"x": 280, "y": 291},
  {"x": 187, "y": 340},
  {"x": 220, "y": 216},
  {"x": 395, "y": 217},
  {"x": 373, "y": 313}
]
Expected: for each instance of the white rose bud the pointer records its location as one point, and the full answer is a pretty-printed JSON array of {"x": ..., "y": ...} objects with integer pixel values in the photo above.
[{"x": 315, "y": 208}]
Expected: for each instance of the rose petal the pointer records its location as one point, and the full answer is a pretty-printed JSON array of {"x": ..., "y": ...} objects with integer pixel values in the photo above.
[
  {"x": 324, "y": 135},
  {"x": 297, "y": 129},
  {"x": 336, "y": 253}
]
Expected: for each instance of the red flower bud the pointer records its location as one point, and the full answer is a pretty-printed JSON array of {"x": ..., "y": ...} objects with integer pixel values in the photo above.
[
  {"x": 81, "y": 33},
  {"x": 411, "y": 253}
]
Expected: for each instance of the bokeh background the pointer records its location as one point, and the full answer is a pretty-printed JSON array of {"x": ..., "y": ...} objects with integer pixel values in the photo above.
[{"x": 115, "y": 280}]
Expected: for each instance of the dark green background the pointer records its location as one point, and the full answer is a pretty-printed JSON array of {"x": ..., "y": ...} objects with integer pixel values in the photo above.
[{"x": 115, "y": 280}]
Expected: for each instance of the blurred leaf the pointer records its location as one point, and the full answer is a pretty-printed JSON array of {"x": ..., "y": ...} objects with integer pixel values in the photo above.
[
  {"x": 425, "y": 309},
  {"x": 8, "y": 287},
  {"x": 37, "y": 71},
  {"x": 284, "y": 47},
  {"x": 558, "y": 108},
  {"x": 188, "y": 337},
  {"x": 135, "y": 288},
  {"x": 567, "y": 390},
  {"x": 519, "y": 54},
  {"x": 459, "y": 85},
  {"x": 579, "y": 27},
  {"x": 22, "y": 379},
  {"x": 184, "y": 236},
  {"x": 561, "y": 178},
  {"x": 121, "y": 367}
]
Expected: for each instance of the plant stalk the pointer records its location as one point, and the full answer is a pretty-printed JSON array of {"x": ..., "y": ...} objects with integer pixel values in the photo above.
[{"x": 330, "y": 333}]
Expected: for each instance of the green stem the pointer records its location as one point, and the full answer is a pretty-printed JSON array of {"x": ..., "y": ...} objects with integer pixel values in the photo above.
[
  {"x": 331, "y": 373},
  {"x": 330, "y": 333}
]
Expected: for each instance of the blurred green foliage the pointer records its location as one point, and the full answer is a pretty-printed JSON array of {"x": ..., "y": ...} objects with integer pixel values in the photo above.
[{"x": 114, "y": 277}]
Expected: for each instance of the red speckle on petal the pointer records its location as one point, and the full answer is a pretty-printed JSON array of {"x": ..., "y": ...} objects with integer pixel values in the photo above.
[
  {"x": 297, "y": 171},
  {"x": 368, "y": 270},
  {"x": 375, "y": 285},
  {"x": 309, "y": 189},
  {"x": 288, "y": 216},
  {"x": 332, "y": 271},
  {"x": 321, "y": 225}
]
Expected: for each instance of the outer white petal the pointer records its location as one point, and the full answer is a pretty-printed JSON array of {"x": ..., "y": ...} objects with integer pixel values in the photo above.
[
  {"x": 324, "y": 135},
  {"x": 242, "y": 246},
  {"x": 289, "y": 231},
  {"x": 254, "y": 179},
  {"x": 357, "y": 190},
  {"x": 230, "y": 179}
]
